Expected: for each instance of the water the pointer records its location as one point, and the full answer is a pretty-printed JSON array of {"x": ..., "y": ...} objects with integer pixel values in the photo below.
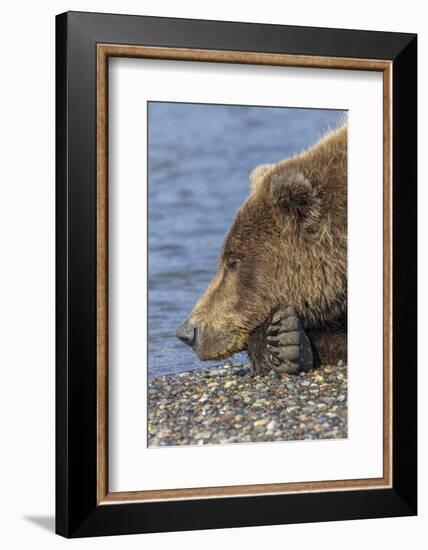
[{"x": 200, "y": 157}]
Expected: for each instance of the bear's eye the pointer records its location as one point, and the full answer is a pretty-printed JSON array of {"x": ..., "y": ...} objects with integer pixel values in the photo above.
[{"x": 233, "y": 263}]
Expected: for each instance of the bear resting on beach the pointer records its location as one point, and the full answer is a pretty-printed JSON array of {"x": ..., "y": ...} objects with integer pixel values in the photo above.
[{"x": 280, "y": 291}]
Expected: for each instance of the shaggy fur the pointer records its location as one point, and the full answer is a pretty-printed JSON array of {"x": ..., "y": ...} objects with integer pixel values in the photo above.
[{"x": 288, "y": 244}]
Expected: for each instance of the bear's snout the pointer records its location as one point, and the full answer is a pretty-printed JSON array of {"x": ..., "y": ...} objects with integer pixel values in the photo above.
[
  {"x": 186, "y": 332},
  {"x": 207, "y": 343}
]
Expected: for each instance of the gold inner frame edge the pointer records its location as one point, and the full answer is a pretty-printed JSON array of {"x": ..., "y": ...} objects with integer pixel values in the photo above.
[{"x": 104, "y": 51}]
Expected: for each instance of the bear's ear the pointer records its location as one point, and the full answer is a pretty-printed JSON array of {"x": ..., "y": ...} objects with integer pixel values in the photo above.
[
  {"x": 294, "y": 193},
  {"x": 258, "y": 175}
]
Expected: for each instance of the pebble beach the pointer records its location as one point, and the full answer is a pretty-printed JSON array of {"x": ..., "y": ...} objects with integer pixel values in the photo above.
[{"x": 226, "y": 404}]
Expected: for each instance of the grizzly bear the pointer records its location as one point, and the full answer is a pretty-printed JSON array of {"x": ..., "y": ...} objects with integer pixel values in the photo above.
[{"x": 280, "y": 291}]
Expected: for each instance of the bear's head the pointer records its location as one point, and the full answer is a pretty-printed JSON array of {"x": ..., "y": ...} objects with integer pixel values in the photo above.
[
  {"x": 288, "y": 244},
  {"x": 258, "y": 263}
]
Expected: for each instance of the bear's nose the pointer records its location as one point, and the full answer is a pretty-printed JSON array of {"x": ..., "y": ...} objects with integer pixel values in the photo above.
[{"x": 187, "y": 333}]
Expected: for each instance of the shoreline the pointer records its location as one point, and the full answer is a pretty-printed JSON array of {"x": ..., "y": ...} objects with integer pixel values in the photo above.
[{"x": 226, "y": 404}]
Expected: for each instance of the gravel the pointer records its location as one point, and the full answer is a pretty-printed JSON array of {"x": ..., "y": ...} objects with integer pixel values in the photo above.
[{"x": 228, "y": 405}]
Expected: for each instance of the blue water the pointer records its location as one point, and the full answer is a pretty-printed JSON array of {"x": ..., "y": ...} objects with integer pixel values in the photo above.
[{"x": 200, "y": 157}]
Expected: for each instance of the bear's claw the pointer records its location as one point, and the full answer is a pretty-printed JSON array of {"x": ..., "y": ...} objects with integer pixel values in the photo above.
[{"x": 287, "y": 343}]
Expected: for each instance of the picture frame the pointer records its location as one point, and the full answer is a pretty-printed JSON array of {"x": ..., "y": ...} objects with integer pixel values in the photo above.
[{"x": 84, "y": 44}]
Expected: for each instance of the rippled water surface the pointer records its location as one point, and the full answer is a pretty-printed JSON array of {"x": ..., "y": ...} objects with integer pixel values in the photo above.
[{"x": 200, "y": 157}]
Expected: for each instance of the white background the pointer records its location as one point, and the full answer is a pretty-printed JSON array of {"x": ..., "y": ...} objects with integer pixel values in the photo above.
[
  {"x": 27, "y": 274},
  {"x": 132, "y": 83}
]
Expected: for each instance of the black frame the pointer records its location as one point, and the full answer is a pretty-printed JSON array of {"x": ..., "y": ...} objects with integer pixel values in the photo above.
[{"x": 77, "y": 513}]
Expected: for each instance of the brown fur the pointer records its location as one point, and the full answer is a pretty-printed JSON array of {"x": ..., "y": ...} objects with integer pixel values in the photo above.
[{"x": 290, "y": 240}]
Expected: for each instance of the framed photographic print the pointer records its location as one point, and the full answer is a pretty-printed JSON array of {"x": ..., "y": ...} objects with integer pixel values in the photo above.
[{"x": 236, "y": 274}]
